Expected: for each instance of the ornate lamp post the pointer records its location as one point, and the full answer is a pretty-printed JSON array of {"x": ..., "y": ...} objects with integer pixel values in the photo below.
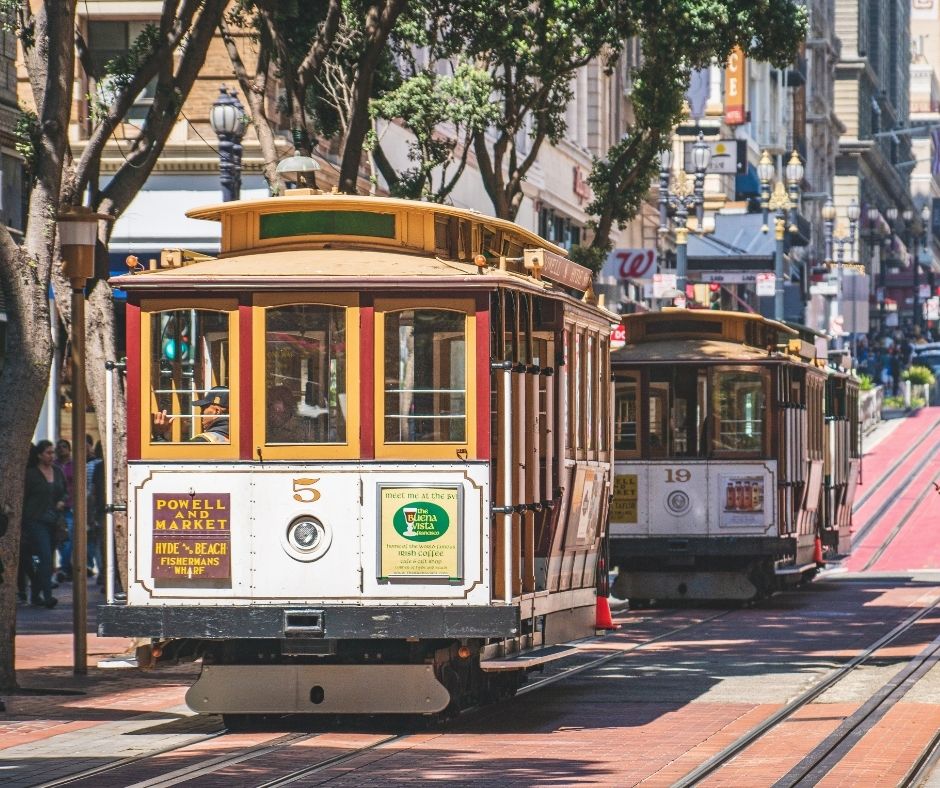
[
  {"x": 678, "y": 201},
  {"x": 78, "y": 234},
  {"x": 228, "y": 121},
  {"x": 924, "y": 224},
  {"x": 853, "y": 212},
  {"x": 783, "y": 204}
]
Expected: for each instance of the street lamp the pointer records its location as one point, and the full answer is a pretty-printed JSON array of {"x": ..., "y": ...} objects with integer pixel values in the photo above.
[
  {"x": 852, "y": 212},
  {"x": 678, "y": 201},
  {"x": 78, "y": 234},
  {"x": 783, "y": 205},
  {"x": 298, "y": 169},
  {"x": 228, "y": 121}
]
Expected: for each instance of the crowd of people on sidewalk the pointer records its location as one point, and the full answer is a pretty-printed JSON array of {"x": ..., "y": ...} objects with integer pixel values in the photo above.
[
  {"x": 885, "y": 356},
  {"x": 48, "y": 526}
]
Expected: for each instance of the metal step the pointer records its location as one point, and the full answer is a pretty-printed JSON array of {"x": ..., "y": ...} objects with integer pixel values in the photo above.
[{"x": 534, "y": 657}]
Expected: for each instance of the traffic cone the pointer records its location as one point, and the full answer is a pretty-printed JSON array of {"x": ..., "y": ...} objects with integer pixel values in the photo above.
[
  {"x": 818, "y": 552},
  {"x": 602, "y": 617}
]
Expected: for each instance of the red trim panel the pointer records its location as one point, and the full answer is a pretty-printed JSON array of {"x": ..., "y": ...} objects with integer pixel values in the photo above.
[
  {"x": 483, "y": 376},
  {"x": 245, "y": 394},
  {"x": 366, "y": 377},
  {"x": 134, "y": 351}
]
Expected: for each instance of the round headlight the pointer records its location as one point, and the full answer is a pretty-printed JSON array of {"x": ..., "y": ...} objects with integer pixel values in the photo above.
[
  {"x": 305, "y": 535},
  {"x": 306, "y": 538}
]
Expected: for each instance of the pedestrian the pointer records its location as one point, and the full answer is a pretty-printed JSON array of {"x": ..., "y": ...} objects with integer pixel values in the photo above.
[
  {"x": 44, "y": 497},
  {"x": 96, "y": 504},
  {"x": 63, "y": 460},
  {"x": 895, "y": 362}
]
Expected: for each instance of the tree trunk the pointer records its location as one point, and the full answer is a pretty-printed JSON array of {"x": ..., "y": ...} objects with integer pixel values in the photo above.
[{"x": 25, "y": 375}]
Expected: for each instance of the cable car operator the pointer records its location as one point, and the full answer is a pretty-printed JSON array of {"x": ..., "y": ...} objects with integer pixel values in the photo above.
[{"x": 214, "y": 418}]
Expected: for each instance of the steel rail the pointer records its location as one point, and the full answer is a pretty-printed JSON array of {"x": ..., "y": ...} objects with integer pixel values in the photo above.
[
  {"x": 882, "y": 510},
  {"x": 718, "y": 760},
  {"x": 336, "y": 760},
  {"x": 901, "y": 523},
  {"x": 883, "y": 479},
  {"x": 187, "y": 773},
  {"x": 837, "y": 745},
  {"x": 122, "y": 762},
  {"x": 921, "y": 768},
  {"x": 611, "y": 657}
]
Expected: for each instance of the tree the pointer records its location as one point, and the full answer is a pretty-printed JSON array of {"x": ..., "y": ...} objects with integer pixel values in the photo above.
[
  {"x": 171, "y": 53},
  {"x": 683, "y": 35},
  {"x": 294, "y": 43},
  {"x": 424, "y": 103}
]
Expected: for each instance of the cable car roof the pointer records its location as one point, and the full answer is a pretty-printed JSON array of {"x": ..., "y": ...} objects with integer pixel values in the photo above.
[{"x": 693, "y": 350}]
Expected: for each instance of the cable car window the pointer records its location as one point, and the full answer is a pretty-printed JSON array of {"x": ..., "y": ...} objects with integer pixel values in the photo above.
[
  {"x": 626, "y": 399},
  {"x": 190, "y": 376},
  {"x": 676, "y": 411},
  {"x": 739, "y": 407},
  {"x": 425, "y": 392},
  {"x": 305, "y": 374}
]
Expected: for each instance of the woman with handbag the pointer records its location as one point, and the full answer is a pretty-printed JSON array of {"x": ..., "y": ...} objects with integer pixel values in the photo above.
[{"x": 43, "y": 507}]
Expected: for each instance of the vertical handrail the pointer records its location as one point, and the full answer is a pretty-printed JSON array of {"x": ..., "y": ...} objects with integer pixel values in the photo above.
[
  {"x": 111, "y": 367},
  {"x": 507, "y": 487}
]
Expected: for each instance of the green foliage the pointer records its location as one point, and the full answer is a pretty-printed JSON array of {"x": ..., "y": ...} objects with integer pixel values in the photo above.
[
  {"x": 897, "y": 403},
  {"x": 676, "y": 37},
  {"x": 592, "y": 257},
  {"x": 919, "y": 375},
  {"x": 27, "y": 137},
  {"x": 866, "y": 382},
  {"x": 121, "y": 70},
  {"x": 422, "y": 104}
]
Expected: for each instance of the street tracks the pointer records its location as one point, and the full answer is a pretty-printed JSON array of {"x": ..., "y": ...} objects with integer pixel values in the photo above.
[{"x": 824, "y": 757}]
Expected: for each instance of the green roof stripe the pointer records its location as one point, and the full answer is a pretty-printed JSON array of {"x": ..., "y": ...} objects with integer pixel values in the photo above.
[{"x": 281, "y": 225}]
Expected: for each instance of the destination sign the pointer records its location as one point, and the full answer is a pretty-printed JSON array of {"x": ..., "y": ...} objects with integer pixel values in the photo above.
[
  {"x": 558, "y": 269},
  {"x": 192, "y": 536}
]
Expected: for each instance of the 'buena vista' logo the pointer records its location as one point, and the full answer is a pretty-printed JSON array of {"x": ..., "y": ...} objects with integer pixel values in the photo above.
[{"x": 421, "y": 521}]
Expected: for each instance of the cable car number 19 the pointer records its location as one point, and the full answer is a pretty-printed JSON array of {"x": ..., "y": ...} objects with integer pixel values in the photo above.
[{"x": 677, "y": 475}]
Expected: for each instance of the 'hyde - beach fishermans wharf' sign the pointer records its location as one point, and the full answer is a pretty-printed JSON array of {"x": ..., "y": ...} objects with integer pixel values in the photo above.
[{"x": 192, "y": 536}]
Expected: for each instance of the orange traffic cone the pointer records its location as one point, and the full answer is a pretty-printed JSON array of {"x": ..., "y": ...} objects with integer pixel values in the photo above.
[
  {"x": 602, "y": 618},
  {"x": 818, "y": 552}
]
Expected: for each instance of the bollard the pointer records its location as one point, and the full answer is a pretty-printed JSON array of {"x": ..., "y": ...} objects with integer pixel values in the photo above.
[{"x": 907, "y": 394}]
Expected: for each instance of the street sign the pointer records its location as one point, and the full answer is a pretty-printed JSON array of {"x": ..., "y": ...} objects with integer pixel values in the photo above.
[
  {"x": 923, "y": 292},
  {"x": 766, "y": 284},
  {"x": 663, "y": 283},
  {"x": 729, "y": 157},
  {"x": 932, "y": 308},
  {"x": 824, "y": 289},
  {"x": 618, "y": 336}
]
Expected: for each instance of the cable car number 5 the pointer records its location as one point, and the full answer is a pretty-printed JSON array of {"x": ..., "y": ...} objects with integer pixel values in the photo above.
[
  {"x": 677, "y": 475},
  {"x": 305, "y": 492}
]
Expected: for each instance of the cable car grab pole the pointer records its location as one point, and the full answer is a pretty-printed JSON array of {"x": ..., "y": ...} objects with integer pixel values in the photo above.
[{"x": 507, "y": 485}]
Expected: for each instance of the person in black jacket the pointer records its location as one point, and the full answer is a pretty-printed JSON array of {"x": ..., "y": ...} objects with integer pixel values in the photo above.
[{"x": 44, "y": 497}]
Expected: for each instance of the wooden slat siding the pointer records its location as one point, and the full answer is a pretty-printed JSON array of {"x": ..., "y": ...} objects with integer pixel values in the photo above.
[
  {"x": 484, "y": 377},
  {"x": 134, "y": 355},
  {"x": 366, "y": 377}
]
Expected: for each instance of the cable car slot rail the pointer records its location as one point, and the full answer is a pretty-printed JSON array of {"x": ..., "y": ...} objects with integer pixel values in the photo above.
[
  {"x": 215, "y": 764},
  {"x": 835, "y": 747},
  {"x": 870, "y": 523}
]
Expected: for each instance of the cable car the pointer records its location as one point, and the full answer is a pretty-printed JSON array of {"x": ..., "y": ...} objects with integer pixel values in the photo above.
[
  {"x": 368, "y": 456},
  {"x": 720, "y": 451}
]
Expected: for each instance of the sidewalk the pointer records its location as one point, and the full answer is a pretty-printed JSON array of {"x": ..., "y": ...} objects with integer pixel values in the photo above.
[{"x": 57, "y": 718}]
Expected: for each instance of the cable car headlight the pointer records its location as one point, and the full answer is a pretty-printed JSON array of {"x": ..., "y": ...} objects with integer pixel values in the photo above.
[{"x": 306, "y": 538}]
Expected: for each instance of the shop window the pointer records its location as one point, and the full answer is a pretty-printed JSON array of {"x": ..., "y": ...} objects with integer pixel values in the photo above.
[{"x": 107, "y": 40}]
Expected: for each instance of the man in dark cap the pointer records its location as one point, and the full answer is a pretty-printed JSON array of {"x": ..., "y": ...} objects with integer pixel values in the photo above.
[{"x": 214, "y": 417}]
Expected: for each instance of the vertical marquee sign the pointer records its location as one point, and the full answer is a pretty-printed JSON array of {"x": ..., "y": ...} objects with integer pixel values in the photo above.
[
  {"x": 735, "y": 90},
  {"x": 192, "y": 536},
  {"x": 420, "y": 531}
]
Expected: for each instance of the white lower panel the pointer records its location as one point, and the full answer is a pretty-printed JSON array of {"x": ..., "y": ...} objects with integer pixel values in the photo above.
[{"x": 317, "y": 689}]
